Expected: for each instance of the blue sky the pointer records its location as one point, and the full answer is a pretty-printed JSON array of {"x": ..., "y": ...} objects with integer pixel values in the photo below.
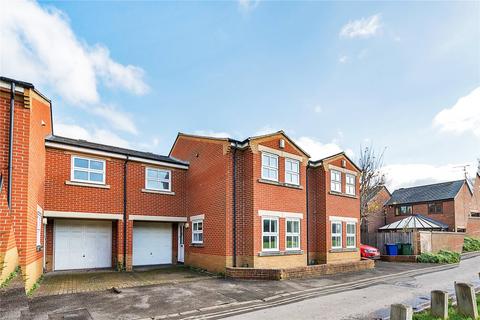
[{"x": 333, "y": 75}]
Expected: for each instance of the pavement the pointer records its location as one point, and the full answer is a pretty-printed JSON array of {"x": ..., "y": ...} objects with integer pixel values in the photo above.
[{"x": 208, "y": 297}]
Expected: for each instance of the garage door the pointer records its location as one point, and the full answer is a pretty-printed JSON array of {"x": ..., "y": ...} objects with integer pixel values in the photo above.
[
  {"x": 152, "y": 243},
  {"x": 82, "y": 244}
]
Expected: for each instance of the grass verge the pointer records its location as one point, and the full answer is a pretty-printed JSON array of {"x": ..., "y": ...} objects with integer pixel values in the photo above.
[
  {"x": 443, "y": 256},
  {"x": 452, "y": 313},
  {"x": 35, "y": 286}
]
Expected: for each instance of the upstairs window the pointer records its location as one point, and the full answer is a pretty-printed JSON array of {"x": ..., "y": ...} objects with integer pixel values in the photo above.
[
  {"x": 335, "y": 181},
  {"x": 435, "y": 207},
  {"x": 293, "y": 234},
  {"x": 292, "y": 171},
  {"x": 336, "y": 235},
  {"x": 270, "y": 234},
  {"x": 158, "y": 179},
  {"x": 403, "y": 210},
  {"x": 269, "y": 166},
  {"x": 197, "y": 231},
  {"x": 350, "y": 184},
  {"x": 351, "y": 235},
  {"x": 88, "y": 170}
]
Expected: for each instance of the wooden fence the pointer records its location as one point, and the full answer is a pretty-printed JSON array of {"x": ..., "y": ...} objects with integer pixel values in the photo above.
[{"x": 379, "y": 239}]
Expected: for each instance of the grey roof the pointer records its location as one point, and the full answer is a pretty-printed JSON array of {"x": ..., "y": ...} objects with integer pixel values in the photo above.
[
  {"x": 112, "y": 149},
  {"x": 415, "y": 221},
  {"x": 431, "y": 192}
]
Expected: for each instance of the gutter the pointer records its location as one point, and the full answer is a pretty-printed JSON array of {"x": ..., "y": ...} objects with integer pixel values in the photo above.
[
  {"x": 307, "y": 211},
  {"x": 234, "y": 206},
  {"x": 125, "y": 221},
  {"x": 10, "y": 145}
]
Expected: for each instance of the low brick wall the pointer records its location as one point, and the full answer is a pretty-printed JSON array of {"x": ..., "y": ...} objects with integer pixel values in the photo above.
[
  {"x": 299, "y": 272},
  {"x": 473, "y": 227},
  {"x": 399, "y": 258}
]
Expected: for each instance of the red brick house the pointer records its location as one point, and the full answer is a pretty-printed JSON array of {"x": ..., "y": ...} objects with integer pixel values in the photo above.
[
  {"x": 446, "y": 202},
  {"x": 211, "y": 203},
  {"x": 376, "y": 210}
]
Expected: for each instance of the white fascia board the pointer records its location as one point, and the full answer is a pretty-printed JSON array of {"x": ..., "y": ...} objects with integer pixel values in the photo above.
[
  {"x": 343, "y": 219},
  {"x": 197, "y": 217},
  {"x": 82, "y": 215},
  {"x": 139, "y": 217},
  {"x": 280, "y": 214},
  {"x": 7, "y": 85}
]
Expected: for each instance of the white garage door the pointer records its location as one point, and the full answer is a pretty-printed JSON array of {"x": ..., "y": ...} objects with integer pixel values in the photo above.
[
  {"x": 152, "y": 243},
  {"x": 82, "y": 244}
]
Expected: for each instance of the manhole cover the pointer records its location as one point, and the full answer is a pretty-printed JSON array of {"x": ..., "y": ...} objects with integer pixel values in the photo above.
[{"x": 79, "y": 314}]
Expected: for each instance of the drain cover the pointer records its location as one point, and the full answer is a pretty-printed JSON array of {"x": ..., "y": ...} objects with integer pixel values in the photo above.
[{"x": 79, "y": 314}]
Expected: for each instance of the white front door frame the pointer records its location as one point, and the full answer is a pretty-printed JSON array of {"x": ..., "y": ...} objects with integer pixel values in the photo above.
[{"x": 181, "y": 243}]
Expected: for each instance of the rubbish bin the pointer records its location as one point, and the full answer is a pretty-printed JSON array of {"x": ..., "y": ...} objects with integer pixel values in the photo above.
[
  {"x": 392, "y": 249},
  {"x": 407, "y": 249}
]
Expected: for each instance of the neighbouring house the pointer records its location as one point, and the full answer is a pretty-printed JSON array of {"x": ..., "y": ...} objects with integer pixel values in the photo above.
[
  {"x": 446, "y": 202},
  {"x": 212, "y": 203},
  {"x": 376, "y": 216}
]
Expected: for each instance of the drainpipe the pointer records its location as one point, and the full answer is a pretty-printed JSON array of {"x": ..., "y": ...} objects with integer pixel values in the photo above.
[
  {"x": 10, "y": 146},
  {"x": 306, "y": 191},
  {"x": 125, "y": 221},
  {"x": 234, "y": 200}
]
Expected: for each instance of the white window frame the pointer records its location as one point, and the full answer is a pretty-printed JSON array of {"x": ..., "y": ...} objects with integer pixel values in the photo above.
[
  {"x": 350, "y": 235},
  {"x": 169, "y": 180},
  {"x": 271, "y": 155},
  {"x": 336, "y": 234},
  {"x": 194, "y": 222},
  {"x": 39, "y": 226},
  {"x": 349, "y": 186},
  {"x": 335, "y": 183},
  {"x": 292, "y": 234},
  {"x": 88, "y": 170},
  {"x": 293, "y": 173},
  {"x": 271, "y": 234}
]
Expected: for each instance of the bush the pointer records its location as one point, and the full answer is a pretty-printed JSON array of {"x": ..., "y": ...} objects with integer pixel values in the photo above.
[
  {"x": 443, "y": 256},
  {"x": 471, "y": 244}
]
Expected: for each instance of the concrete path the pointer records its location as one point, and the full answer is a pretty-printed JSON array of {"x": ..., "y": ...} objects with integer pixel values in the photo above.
[
  {"x": 209, "y": 298},
  {"x": 369, "y": 302}
]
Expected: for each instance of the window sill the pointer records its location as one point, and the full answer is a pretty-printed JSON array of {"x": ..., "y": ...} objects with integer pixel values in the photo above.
[
  {"x": 343, "y": 250},
  {"x": 86, "y": 184},
  {"x": 171, "y": 193},
  {"x": 197, "y": 245},
  {"x": 340, "y": 194},
  {"x": 280, "y": 184},
  {"x": 279, "y": 253}
]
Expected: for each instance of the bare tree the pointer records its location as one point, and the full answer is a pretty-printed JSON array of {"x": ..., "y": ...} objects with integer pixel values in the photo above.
[{"x": 372, "y": 178}]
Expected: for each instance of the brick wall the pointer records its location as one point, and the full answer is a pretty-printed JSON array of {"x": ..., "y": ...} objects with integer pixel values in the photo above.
[
  {"x": 435, "y": 241},
  {"x": 473, "y": 227},
  {"x": 376, "y": 211},
  {"x": 299, "y": 272}
]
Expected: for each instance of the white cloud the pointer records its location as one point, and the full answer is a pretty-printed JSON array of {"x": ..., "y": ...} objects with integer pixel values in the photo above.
[
  {"x": 247, "y": 5},
  {"x": 407, "y": 175},
  {"x": 462, "y": 117},
  {"x": 39, "y": 46},
  {"x": 209, "y": 133},
  {"x": 319, "y": 150},
  {"x": 362, "y": 28},
  {"x": 318, "y": 109},
  {"x": 118, "y": 119},
  {"x": 343, "y": 59},
  {"x": 98, "y": 135}
]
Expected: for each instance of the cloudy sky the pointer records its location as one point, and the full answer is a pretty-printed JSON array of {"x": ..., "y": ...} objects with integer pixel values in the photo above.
[{"x": 334, "y": 76}]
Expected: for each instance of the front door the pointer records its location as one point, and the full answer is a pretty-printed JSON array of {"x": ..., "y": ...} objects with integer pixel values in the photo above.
[{"x": 181, "y": 244}]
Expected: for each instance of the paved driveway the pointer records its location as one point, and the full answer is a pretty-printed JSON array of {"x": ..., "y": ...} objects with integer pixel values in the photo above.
[
  {"x": 85, "y": 281},
  {"x": 196, "y": 298}
]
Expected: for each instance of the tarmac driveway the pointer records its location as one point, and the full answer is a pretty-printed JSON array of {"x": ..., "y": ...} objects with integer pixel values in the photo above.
[{"x": 191, "y": 298}]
